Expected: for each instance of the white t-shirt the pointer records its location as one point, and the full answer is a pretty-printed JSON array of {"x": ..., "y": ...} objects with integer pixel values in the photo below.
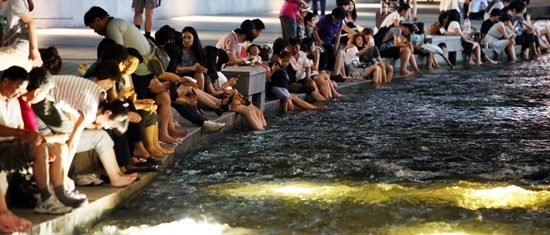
[
  {"x": 446, "y": 5},
  {"x": 223, "y": 79},
  {"x": 478, "y": 5},
  {"x": 300, "y": 64},
  {"x": 14, "y": 28},
  {"x": 351, "y": 55},
  {"x": 388, "y": 21},
  {"x": 453, "y": 27},
  {"x": 10, "y": 115},
  {"x": 76, "y": 95}
]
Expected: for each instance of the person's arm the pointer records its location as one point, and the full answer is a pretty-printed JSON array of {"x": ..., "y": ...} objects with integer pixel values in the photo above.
[
  {"x": 21, "y": 134},
  {"x": 307, "y": 71},
  {"x": 74, "y": 138},
  {"x": 31, "y": 5},
  {"x": 316, "y": 35},
  {"x": 210, "y": 90},
  {"x": 195, "y": 68},
  {"x": 398, "y": 43},
  {"x": 337, "y": 43},
  {"x": 34, "y": 55},
  {"x": 172, "y": 77}
]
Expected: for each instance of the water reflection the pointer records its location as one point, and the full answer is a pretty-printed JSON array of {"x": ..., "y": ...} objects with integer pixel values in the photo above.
[
  {"x": 451, "y": 152},
  {"x": 467, "y": 195}
]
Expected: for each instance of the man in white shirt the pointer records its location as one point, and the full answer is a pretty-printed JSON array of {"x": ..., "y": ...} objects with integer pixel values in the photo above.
[
  {"x": 477, "y": 9},
  {"x": 21, "y": 148},
  {"x": 396, "y": 17}
]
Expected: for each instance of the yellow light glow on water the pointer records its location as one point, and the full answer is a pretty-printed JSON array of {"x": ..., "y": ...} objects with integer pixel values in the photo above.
[
  {"x": 468, "y": 195},
  {"x": 191, "y": 227},
  {"x": 293, "y": 190}
]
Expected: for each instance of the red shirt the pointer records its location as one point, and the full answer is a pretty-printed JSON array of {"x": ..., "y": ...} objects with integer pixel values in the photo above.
[{"x": 29, "y": 118}]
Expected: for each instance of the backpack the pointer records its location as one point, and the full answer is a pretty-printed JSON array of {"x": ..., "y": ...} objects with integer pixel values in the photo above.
[
  {"x": 380, "y": 35},
  {"x": 158, "y": 60}
]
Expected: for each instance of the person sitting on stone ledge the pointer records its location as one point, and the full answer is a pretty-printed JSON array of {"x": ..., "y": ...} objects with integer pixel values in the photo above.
[
  {"x": 354, "y": 50},
  {"x": 393, "y": 46},
  {"x": 85, "y": 109},
  {"x": 215, "y": 60},
  {"x": 500, "y": 38},
  {"x": 24, "y": 147},
  {"x": 471, "y": 48},
  {"x": 372, "y": 56},
  {"x": 279, "y": 86},
  {"x": 186, "y": 98}
]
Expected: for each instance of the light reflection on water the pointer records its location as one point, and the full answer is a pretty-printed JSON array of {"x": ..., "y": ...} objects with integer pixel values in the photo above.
[{"x": 459, "y": 152}]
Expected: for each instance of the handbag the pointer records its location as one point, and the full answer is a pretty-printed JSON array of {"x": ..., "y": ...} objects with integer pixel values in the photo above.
[{"x": 158, "y": 60}]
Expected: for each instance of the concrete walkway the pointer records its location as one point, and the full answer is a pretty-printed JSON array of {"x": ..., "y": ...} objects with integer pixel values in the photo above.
[{"x": 78, "y": 45}]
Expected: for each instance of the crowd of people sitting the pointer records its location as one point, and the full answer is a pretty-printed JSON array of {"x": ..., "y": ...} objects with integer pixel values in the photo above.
[{"x": 123, "y": 105}]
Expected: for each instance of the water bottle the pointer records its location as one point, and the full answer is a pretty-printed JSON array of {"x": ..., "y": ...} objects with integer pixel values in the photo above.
[{"x": 466, "y": 25}]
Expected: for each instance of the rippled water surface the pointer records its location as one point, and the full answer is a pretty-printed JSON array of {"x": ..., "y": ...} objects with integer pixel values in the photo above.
[{"x": 451, "y": 152}]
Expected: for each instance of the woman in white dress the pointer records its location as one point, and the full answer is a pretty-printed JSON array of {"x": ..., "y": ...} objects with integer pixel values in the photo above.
[{"x": 500, "y": 37}]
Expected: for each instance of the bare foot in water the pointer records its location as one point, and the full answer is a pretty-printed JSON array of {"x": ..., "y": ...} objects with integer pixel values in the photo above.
[
  {"x": 417, "y": 72},
  {"x": 321, "y": 107},
  {"x": 406, "y": 73},
  {"x": 11, "y": 223},
  {"x": 122, "y": 180}
]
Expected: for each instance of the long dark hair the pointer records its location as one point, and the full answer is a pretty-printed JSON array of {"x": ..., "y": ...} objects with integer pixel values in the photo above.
[
  {"x": 197, "y": 46},
  {"x": 211, "y": 55},
  {"x": 454, "y": 15},
  {"x": 354, "y": 11}
]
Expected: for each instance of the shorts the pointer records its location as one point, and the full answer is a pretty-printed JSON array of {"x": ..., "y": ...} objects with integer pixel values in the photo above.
[
  {"x": 300, "y": 88},
  {"x": 147, "y": 4},
  {"x": 392, "y": 52},
  {"x": 15, "y": 155},
  {"x": 281, "y": 93}
]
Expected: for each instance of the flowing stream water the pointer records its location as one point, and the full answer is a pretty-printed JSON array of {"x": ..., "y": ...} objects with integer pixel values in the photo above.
[{"x": 451, "y": 152}]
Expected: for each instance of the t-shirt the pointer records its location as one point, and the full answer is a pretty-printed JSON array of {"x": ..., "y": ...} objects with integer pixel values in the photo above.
[
  {"x": 229, "y": 44},
  {"x": 10, "y": 115},
  {"x": 126, "y": 34},
  {"x": 76, "y": 95},
  {"x": 290, "y": 9},
  {"x": 187, "y": 58},
  {"x": 27, "y": 114},
  {"x": 13, "y": 28},
  {"x": 478, "y": 5},
  {"x": 279, "y": 78},
  {"x": 485, "y": 26},
  {"x": 299, "y": 65},
  {"x": 388, "y": 21},
  {"x": 518, "y": 21},
  {"x": 351, "y": 55},
  {"x": 453, "y": 27},
  {"x": 371, "y": 55},
  {"x": 328, "y": 29}
]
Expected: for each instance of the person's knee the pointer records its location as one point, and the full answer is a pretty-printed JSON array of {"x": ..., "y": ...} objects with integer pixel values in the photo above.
[
  {"x": 138, "y": 11},
  {"x": 104, "y": 142},
  {"x": 149, "y": 13}
]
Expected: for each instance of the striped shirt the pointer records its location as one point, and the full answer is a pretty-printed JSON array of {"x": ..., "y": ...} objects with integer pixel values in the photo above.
[{"x": 76, "y": 95}]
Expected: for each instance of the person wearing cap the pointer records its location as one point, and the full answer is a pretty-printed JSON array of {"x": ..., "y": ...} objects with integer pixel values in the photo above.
[{"x": 230, "y": 43}]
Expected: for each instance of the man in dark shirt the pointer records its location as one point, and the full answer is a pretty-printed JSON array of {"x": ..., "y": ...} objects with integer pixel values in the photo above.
[{"x": 495, "y": 14}]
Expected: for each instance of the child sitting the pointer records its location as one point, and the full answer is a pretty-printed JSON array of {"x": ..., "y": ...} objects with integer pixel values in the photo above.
[
  {"x": 254, "y": 57},
  {"x": 279, "y": 86}
]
